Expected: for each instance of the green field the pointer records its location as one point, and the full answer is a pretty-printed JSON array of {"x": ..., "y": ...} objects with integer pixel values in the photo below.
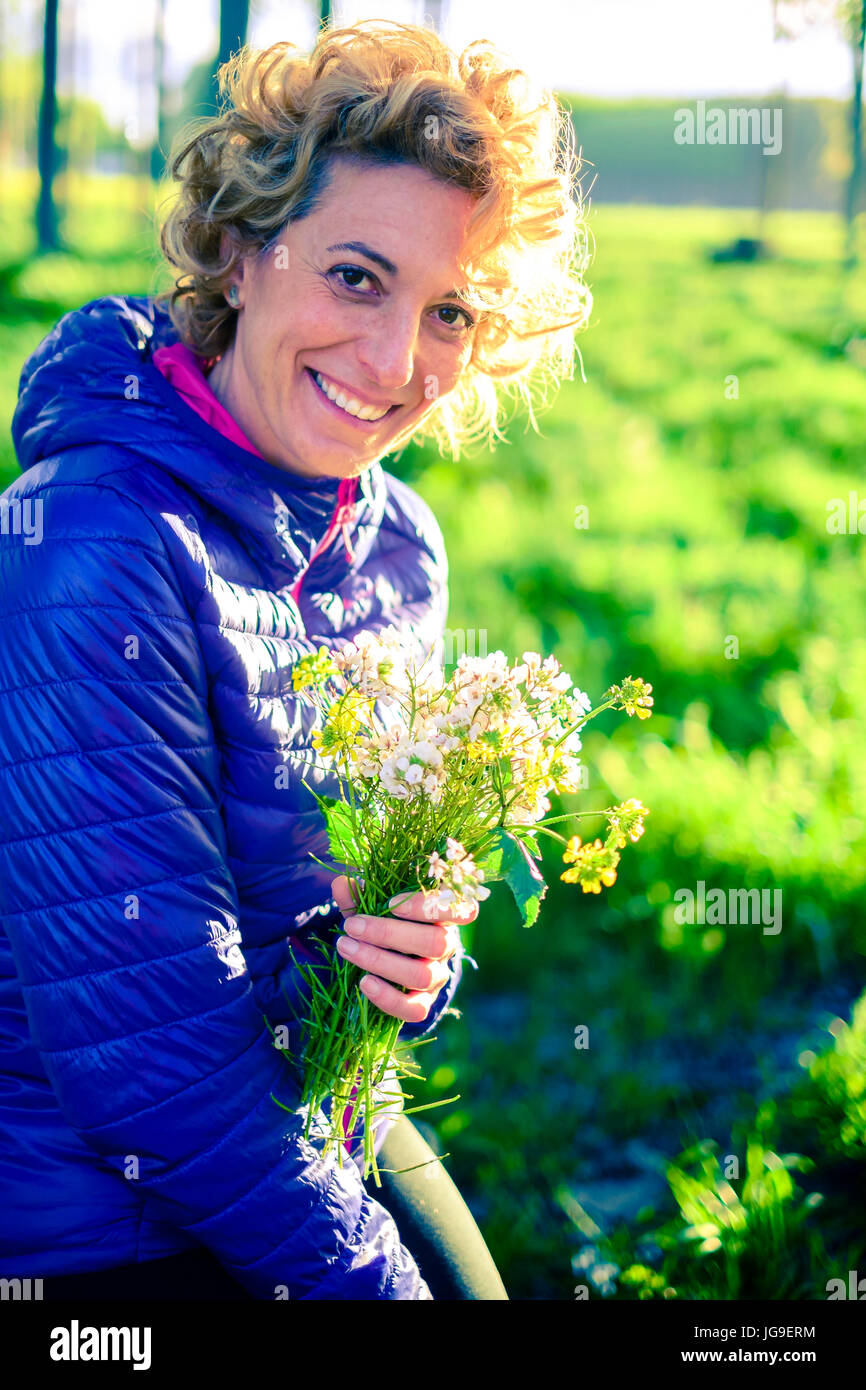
[{"x": 724, "y": 409}]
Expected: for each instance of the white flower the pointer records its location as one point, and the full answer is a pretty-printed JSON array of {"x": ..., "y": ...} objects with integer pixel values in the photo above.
[
  {"x": 437, "y": 901},
  {"x": 374, "y": 662},
  {"x": 586, "y": 1259},
  {"x": 529, "y": 808},
  {"x": 476, "y": 891},
  {"x": 438, "y": 866},
  {"x": 570, "y": 779},
  {"x": 457, "y": 718},
  {"x": 427, "y": 752}
]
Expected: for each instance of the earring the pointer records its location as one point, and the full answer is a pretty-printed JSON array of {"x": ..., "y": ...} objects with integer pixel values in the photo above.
[{"x": 232, "y": 296}]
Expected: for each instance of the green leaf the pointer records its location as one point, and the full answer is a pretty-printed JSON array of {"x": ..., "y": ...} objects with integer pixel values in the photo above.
[
  {"x": 528, "y": 839},
  {"x": 509, "y": 859},
  {"x": 341, "y": 831}
]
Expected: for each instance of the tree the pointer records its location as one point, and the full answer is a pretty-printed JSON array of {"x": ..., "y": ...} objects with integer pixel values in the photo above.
[
  {"x": 47, "y": 231},
  {"x": 159, "y": 149},
  {"x": 856, "y": 28},
  {"x": 234, "y": 19},
  {"x": 792, "y": 18},
  {"x": 433, "y": 14}
]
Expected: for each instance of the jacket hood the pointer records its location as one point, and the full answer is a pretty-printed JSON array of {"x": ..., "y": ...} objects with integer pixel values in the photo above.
[{"x": 91, "y": 383}]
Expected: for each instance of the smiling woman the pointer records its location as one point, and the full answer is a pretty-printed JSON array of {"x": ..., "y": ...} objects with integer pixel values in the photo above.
[
  {"x": 331, "y": 361},
  {"x": 418, "y": 210},
  {"x": 377, "y": 242}
]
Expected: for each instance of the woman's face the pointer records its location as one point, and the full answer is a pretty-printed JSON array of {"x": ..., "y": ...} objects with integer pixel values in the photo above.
[{"x": 353, "y": 313}]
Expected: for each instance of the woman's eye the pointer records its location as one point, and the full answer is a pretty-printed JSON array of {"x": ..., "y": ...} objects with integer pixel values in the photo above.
[
  {"x": 351, "y": 277},
  {"x": 461, "y": 321},
  {"x": 346, "y": 272}
]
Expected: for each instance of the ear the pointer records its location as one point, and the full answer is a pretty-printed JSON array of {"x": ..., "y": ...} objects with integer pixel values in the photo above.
[{"x": 228, "y": 247}]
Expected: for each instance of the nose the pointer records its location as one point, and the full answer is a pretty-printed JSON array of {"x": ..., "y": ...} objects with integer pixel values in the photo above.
[{"x": 387, "y": 351}]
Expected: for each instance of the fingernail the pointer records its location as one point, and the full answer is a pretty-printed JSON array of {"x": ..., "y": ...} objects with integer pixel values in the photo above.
[
  {"x": 370, "y": 985},
  {"x": 356, "y": 925},
  {"x": 346, "y": 946},
  {"x": 399, "y": 898}
]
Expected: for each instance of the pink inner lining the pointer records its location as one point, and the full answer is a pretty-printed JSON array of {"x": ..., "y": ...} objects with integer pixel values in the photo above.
[{"x": 186, "y": 373}]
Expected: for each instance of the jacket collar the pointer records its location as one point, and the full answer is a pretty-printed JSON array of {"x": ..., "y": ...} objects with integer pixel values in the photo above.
[
  {"x": 287, "y": 513},
  {"x": 92, "y": 382}
]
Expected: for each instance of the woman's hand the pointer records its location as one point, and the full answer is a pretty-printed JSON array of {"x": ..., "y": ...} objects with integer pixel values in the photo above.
[{"x": 413, "y": 951}]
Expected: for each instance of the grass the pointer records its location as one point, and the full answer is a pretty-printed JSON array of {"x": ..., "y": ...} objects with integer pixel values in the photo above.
[{"x": 724, "y": 409}]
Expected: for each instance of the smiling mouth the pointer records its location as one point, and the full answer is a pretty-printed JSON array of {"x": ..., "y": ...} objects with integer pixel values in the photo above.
[{"x": 346, "y": 404}]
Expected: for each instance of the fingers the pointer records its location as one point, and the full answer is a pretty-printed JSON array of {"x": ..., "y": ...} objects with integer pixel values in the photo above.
[
  {"x": 437, "y": 941},
  {"x": 414, "y": 973},
  {"x": 408, "y": 906},
  {"x": 407, "y": 949},
  {"x": 411, "y": 1008},
  {"x": 411, "y": 906}
]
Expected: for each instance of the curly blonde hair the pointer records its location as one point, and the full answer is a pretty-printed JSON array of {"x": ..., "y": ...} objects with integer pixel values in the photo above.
[{"x": 395, "y": 93}]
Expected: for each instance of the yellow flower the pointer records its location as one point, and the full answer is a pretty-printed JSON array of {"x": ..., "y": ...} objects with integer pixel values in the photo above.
[
  {"x": 326, "y": 740},
  {"x": 626, "y": 822},
  {"x": 634, "y": 696},
  {"x": 343, "y": 723},
  {"x": 592, "y": 865},
  {"x": 487, "y": 748},
  {"x": 314, "y": 669}
]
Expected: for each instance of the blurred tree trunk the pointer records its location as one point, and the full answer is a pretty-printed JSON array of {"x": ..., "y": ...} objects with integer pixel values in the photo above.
[
  {"x": 433, "y": 14},
  {"x": 47, "y": 233},
  {"x": 791, "y": 20},
  {"x": 234, "y": 19},
  {"x": 159, "y": 149},
  {"x": 858, "y": 38}
]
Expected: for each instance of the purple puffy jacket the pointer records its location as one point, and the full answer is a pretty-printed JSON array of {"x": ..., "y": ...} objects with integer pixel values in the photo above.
[{"x": 154, "y": 866}]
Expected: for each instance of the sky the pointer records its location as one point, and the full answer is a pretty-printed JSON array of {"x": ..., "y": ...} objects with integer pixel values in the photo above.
[{"x": 614, "y": 48}]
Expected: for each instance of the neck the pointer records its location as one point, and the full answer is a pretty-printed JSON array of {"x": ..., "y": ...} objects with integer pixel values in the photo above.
[{"x": 233, "y": 389}]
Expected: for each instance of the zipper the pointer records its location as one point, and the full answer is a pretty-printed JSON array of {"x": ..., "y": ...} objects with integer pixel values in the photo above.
[{"x": 341, "y": 523}]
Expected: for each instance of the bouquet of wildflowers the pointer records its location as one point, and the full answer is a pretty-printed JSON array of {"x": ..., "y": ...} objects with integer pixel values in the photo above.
[{"x": 444, "y": 788}]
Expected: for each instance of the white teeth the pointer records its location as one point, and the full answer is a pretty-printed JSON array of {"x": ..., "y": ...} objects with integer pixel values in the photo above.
[{"x": 348, "y": 403}]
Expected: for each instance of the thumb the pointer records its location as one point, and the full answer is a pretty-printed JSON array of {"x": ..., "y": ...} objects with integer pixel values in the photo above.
[{"x": 346, "y": 892}]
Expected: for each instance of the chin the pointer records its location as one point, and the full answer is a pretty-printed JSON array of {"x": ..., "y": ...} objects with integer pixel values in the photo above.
[{"x": 337, "y": 464}]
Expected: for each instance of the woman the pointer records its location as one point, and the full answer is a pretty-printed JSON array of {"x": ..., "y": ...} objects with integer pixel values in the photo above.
[{"x": 374, "y": 244}]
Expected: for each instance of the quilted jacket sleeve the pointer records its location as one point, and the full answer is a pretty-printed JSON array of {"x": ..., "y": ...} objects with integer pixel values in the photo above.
[{"x": 123, "y": 915}]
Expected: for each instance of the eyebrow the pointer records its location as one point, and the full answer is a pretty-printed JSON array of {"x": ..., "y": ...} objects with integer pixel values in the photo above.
[{"x": 362, "y": 249}]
